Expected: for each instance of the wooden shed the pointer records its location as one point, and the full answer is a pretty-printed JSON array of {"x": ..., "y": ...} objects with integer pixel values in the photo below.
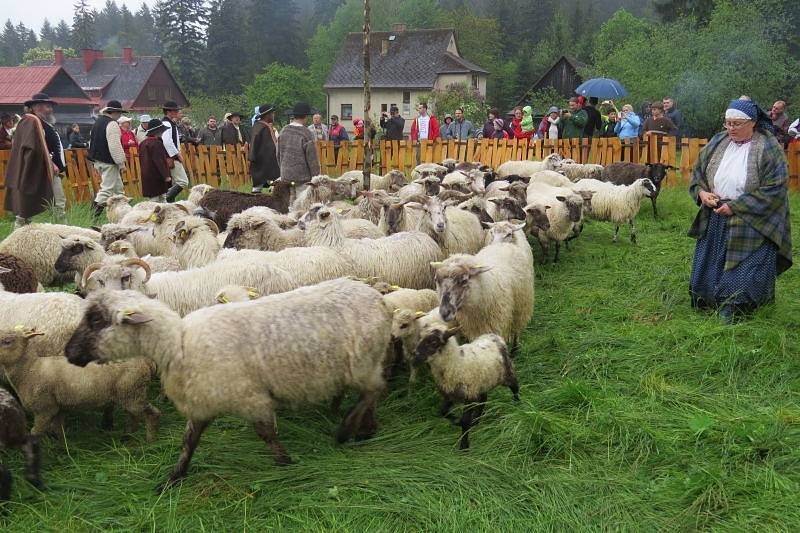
[{"x": 562, "y": 76}]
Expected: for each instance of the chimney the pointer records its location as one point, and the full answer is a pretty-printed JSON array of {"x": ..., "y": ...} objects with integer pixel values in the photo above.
[
  {"x": 127, "y": 55},
  {"x": 398, "y": 27},
  {"x": 58, "y": 58},
  {"x": 384, "y": 47},
  {"x": 89, "y": 56}
]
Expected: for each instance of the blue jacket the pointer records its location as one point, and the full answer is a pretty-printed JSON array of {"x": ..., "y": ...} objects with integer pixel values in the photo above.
[{"x": 628, "y": 127}]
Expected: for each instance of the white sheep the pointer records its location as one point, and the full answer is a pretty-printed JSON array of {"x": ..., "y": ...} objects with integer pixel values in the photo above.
[
  {"x": 429, "y": 185},
  {"x": 455, "y": 230},
  {"x": 236, "y": 293},
  {"x": 164, "y": 218},
  {"x": 270, "y": 356},
  {"x": 402, "y": 259},
  {"x": 39, "y": 245},
  {"x": 195, "y": 241},
  {"x": 490, "y": 292},
  {"x": 187, "y": 290},
  {"x": 550, "y": 177},
  {"x": 471, "y": 181},
  {"x": 619, "y": 203},
  {"x": 511, "y": 233},
  {"x": 564, "y": 213},
  {"x": 197, "y": 192},
  {"x": 392, "y": 181},
  {"x": 428, "y": 169},
  {"x": 139, "y": 235},
  {"x": 465, "y": 373},
  {"x": 117, "y": 206},
  {"x": 158, "y": 263},
  {"x": 139, "y": 213},
  {"x": 527, "y": 168},
  {"x": 369, "y": 206},
  {"x": 319, "y": 190},
  {"x": 47, "y": 386},
  {"x": 578, "y": 171},
  {"x": 305, "y": 266}
]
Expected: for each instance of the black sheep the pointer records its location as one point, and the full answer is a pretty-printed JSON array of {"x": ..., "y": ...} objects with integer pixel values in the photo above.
[
  {"x": 626, "y": 173},
  {"x": 221, "y": 205},
  {"x": 14, "y": 434},
  {"x": 16, "y": 275}
]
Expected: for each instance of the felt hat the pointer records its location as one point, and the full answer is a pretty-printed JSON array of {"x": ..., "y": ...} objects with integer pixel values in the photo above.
[
  {"x": 553, "y": 109},
  {"x": 154, "y": 125},
  {"x": 113, "y": 106},
  {"x": 169, "y": 105},
  {"x": 40, "y": 98},
  {"x": 233, "y": 114},
  {"x": 301, "y": 109},
  {"x": 123, "y": 119},
  {"x": 263, "y": 109},
  {"x": 144, "y": 119}
]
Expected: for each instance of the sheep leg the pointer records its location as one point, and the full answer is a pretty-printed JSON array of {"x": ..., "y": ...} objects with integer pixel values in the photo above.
[
  {"x": 5, "y": 483},
  {"x": 191, "y": 437},
  {"x": 336, "y": 403},
  {"x": 633, "y": 232},
  {"x": 266, "y": 430},
  {"x": 445, "y": 407},
  {"x": 33, "y": 462},
  {"x": 515, "y": 346},
  {"x": 467, "y": 419},
  {"x": 354, "y": 419},
  {"x": 616, "y": 232},
  {"x": 511, "y": 377},
  {"x": 558, "y": 249},
  {"x": 151, "y": 419},
  {"x": 655, "y": 209},
  {"x": 43, "y": 422},
  {"x": 108, "y": 418}
]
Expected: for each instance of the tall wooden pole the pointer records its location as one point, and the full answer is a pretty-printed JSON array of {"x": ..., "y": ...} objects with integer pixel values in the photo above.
[{"x": 367, "y": 170}]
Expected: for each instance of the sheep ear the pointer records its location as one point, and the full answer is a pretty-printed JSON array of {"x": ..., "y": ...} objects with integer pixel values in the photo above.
[
  {"x": 419, "y": 314},
  {"x": 451, "y": 331},
  {"x": 474, "y": 271},
  {"x": 487, "y": 225},
  {"x": 561, "y": 198},
  {"x": 436, "y": 264},
  {"x": 135, "y": 318},
  {"x": 518, "y": 225},
  {"x": 98, "y": 229},
  {"x": 4, "y": 270},
  {"x": 415, "y": 205}
]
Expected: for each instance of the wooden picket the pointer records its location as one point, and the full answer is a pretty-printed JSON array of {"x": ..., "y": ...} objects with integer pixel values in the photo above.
[{"x": 228, "y": 166}]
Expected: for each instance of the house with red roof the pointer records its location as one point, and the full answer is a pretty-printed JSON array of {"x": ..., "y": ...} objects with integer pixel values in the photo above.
[{"x": 18, "y": 84}]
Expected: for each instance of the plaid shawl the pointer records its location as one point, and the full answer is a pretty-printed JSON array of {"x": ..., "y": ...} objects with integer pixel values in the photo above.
[{"x": 762, "y": 212}]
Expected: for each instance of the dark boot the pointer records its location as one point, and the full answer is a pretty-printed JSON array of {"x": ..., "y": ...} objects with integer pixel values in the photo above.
[
  {"x": 97, "y": 210},
  {"x": 173, "y": 193}
]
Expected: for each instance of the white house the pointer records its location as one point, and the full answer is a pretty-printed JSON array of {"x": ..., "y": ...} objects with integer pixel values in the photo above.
[{"x": 404, "y": 65}]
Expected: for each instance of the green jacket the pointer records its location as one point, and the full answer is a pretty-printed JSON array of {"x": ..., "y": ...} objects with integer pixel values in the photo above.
[{"x": 573, "y": 126}]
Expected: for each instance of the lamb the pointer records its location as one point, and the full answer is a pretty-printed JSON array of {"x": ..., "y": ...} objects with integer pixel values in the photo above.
[
  {"x": 527, "y": 168},
  {"x": 138, "y": 214},
  {"x": 187, "y": 290},
  {"x": 392, "y": 181},
  {"x": 319, "y": 190},
  {"x": 139, "y": 235},
  {"x": 14, "y": 434},
  {"x": 236, "y": 293},
  {"x": 455, "y": 230},
  {"x": 626, "y": 173},
  {"x": 494, "y": 209},
  {"x": 223, "y": 204},
  {"x": 400, "y": 298},
  {"x": 578, "y": 171},
  {"x": 466, "y": 373},
  {"x": 550, "y": 177},
  {"x": 54, "y": 314},
  {"x": 195, "y": 241},
  {"x": 39, "y": 245},
  {"x": 117, "y": 206},
  {"x": 564, "y": 214},
  {"x": 402, "y": 259},
  {"x": 620, "y": 203},
  {"x": 471, "y": 181},
  {"x": 16, "y": 275},
  {"x": 49, "y": 385},
  {"x": 428, "y": 169},
  {"x": 198, "y": 191},
  {"x": 490, "y": 292},
  {"x": 270, "y": 358},
  {"x": 428, "y": 185},
  {"x": 369, "y": 206},
  {"x": 450, "y": 164}
]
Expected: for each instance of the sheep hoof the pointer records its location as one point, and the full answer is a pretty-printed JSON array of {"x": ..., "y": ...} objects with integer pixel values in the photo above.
[
  {"x": 283, "y": 460},
  {"x": 633, "y": 239},
  {"x": 168, "y": 484},
  {"x": 36, "y": 483}
]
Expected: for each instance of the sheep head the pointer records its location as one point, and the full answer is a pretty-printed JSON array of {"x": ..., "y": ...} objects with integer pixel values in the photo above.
[
  {"x": 650, "y": 189},
  {"x": 322, "y": 214},
  {"x": 453, "y": 278},
  {"x": 433, "y": 340},
  {"x": 504, "y": 231},
  {"x": 184, "y": 229},
  {"x": 74, "y": 246},
  {"x": 434, "y": 212},
  {"x": 13, "y": 342},
  {"x": 120, "y": 276},
  {"x": 510, "y": 207}
]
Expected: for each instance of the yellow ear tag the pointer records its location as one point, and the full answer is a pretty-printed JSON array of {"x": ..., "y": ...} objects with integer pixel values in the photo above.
[
  {"x": 419, "y": 314},
  {"x": 19, "y": 327},
  {"x": 153, "y": 218}
]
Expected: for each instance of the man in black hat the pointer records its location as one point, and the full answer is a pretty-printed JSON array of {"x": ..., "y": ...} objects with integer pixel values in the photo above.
[
  {"x": 233, "y": 132},
  {"x": 154, "y": 162},
  {"x": 171, "y": 139},
  {"x": 106, "y": 154},
  {"x": 297, "y": 149},
  {"x": 33, "y": 176},
  {"x": 263, "y": 154}
]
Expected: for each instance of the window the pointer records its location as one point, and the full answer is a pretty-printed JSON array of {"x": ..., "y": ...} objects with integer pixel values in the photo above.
[
  {"x": 474, "y": 81},
  {"x": 347, "y": 112},
  {"x": 406, "y": 102},
  {"x": 151, "y": 94},
  {"x": 167, "y": 93},
  {"x": 384, "y": 107}
]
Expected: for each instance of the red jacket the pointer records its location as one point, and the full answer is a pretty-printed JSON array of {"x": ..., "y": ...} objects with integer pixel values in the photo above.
[
  {"x": 433, "y": 129},
  {"x": 128, "y": 139},
  {"x": 516, "y": 127}
]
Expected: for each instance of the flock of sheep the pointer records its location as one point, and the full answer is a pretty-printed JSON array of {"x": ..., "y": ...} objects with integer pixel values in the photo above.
[{"x": 244, "y": 303}]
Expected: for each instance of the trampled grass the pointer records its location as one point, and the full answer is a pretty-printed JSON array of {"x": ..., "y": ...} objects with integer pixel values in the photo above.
[{"x": 637, "y": 413}]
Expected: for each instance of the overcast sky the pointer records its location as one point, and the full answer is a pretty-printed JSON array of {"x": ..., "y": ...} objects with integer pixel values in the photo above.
[{"x": 33, "y": 12}]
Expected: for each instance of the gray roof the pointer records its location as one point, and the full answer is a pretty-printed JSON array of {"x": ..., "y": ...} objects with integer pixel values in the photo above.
[
  {"x": 116, "y": 79},
  {"x": 414, "y": 59}
]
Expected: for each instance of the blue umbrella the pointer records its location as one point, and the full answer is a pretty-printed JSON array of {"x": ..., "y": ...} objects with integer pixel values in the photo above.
[{"x": 601, "y": 88}]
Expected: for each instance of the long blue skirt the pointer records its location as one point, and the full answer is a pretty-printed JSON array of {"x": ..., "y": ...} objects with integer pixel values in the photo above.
[{"x": 747, "y": 286}]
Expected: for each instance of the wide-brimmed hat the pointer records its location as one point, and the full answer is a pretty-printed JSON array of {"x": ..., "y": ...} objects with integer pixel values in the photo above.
[
  {"x": 169, "y": 105},
  {"x": 553, "y": 109},
  {"x": 113, "y": 106},
  {"x": 263, "y": 109},
  {"x": 123, "y": 118},
  {"x": 144, "y": 119},
  {"x": 448, "y": 115},
  {"x": 40, "y": 98},
  {"x": 301, "y": 109},
  {"x": 154, "y": 125},
  {"x": 233, "y": 114}
]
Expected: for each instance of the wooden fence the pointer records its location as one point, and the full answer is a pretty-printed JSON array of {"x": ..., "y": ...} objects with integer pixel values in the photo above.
[{"x": 228, "y": 166}]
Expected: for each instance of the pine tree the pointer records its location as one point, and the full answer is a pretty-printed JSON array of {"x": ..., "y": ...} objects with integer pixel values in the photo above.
[
  {"x": 108, "y": 22},
  {"x": 63, "y": 36},
  {"x": 227, "y": 68},
  {"x": 82, "y": 26},
  {"x": 146, "y": 41},
  {"x": 127, "y": 30},
  {"x": 12, "y": 45},
  {"x": 181, "y": 25},
  {"x": 671, "y": 10},
  {"x": 47, "y": 34},
  {"x": 275, "y": 35}
]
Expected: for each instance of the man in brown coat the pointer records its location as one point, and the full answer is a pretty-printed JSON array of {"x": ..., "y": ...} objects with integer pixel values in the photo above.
[
  {"x": 297, "y": 149},
  {"x": 154, "y": 163},
  {"x": 31, "y": 167},
  {"x": 263, "y": 153}
]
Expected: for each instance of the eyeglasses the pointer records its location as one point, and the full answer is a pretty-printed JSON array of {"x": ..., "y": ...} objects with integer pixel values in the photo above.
[{"x": 734, "y": 125}]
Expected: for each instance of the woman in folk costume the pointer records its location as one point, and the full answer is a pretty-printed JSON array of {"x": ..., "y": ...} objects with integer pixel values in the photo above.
[
  {"x": 263, "y": 154},
  {"x": 742, "y": 230}
]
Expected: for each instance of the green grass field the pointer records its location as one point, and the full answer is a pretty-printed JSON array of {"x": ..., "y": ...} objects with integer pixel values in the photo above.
[{"x": 637, "y": 414}]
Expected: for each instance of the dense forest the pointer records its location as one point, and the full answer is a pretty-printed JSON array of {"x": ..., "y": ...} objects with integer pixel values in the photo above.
[{"x": 237, "y": 52}]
